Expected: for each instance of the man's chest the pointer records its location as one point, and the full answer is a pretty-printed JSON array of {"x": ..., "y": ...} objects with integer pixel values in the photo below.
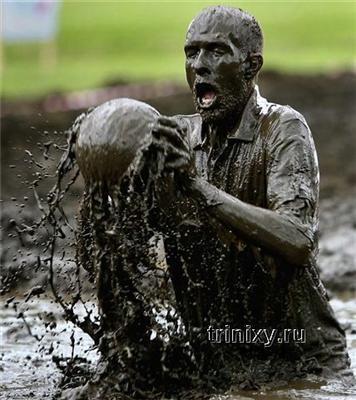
[{"x": 239, "y": 168}]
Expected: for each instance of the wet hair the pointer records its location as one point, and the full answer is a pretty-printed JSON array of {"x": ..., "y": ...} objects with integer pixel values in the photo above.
[{"x": 246, "y": 32}]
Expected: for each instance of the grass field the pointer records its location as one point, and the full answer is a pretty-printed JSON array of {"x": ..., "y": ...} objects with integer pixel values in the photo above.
[{"x": 107, "y": 41}]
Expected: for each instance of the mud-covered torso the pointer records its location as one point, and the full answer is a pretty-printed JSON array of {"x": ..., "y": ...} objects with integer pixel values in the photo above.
[{"x": 221, "y": 279}]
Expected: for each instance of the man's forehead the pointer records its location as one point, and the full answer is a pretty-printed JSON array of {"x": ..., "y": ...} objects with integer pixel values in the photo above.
[
  {"x": 212, "y": 26},
  {"x": 209, "y": 37}
]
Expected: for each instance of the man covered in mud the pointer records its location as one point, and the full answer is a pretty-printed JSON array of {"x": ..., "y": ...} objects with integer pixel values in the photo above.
[{"x": 244, "y": 252}]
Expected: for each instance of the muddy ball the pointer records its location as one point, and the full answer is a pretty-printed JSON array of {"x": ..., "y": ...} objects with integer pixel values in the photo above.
[{"x": 110, "y": 138}]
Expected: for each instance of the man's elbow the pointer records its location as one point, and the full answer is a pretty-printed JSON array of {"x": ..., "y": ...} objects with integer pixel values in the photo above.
[{"x": 301, "y": 252}]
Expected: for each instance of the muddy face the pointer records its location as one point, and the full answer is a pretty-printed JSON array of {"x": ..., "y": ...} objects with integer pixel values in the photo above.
[
  {"x": 110, "y": 138},
  {"x": 217, "y": 62}
]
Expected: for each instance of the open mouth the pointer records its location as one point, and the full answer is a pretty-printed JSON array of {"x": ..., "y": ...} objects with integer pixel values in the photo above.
[{"x": 206, "y": 94}]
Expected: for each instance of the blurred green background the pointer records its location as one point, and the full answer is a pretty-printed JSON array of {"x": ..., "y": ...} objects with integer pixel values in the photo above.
[{"x": 103, "y": 42}]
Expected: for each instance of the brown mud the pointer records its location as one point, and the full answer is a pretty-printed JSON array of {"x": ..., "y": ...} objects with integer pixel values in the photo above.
[{"x": 67, "y": 288}]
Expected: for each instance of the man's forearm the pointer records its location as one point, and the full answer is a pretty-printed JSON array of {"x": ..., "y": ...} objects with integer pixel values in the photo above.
[{"x": 265, "y": 228}]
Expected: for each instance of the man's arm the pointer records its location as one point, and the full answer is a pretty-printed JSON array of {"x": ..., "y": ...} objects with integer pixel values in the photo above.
[
  {"x": 286, "y": 227},
  {"x": 265, "y": 228}
]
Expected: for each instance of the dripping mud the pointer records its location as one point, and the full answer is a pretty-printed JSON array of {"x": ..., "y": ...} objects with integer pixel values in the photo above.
[{"x": 52, "y": 332}]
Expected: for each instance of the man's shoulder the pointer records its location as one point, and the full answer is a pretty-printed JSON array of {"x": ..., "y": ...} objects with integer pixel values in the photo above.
[
  {"x": 288, "y": 114},
  {"x": 279, "y": 113},
  {"x": 284, "y": 123}
]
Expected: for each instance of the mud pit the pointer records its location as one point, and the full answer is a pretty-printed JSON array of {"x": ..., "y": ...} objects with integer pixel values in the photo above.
[
  {"x": 330, "y": 250},
  {"x": 27, "y": 370}
]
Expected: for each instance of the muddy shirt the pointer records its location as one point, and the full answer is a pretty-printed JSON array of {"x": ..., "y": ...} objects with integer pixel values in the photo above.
[{"x": 221, "y": 280}]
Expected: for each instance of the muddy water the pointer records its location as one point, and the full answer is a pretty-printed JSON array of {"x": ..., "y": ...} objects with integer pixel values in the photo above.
[{"x": 27, "y": 369}]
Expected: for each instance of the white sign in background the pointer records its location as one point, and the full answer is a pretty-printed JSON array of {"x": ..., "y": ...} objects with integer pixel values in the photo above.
[{"x": 29, "y": 21}]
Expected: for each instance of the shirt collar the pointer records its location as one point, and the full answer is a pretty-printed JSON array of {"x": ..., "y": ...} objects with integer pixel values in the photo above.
[{"x": 247, "y": 127}]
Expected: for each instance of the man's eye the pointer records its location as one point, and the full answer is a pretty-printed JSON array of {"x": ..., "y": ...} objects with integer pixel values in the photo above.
[{"x": 191, "y": 53}]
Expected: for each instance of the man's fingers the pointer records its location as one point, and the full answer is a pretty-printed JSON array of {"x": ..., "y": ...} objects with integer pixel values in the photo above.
[
  {"x": 175, "y": 158},
  {"x": 169, "y": 149},
  {"x": 179, "y": 163},
  {"x": 171, "y": 135},
  {"x": 171, "y": 122}
]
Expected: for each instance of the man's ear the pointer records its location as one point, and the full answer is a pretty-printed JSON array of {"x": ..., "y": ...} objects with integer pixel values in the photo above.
[{"x": 253, "y": 64}]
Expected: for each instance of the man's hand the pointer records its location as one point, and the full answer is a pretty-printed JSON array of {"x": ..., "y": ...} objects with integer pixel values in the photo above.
[{"x": 171, "y": 138}]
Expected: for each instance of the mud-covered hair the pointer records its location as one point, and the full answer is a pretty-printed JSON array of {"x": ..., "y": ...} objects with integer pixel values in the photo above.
[{"x": 246, "y": 32}]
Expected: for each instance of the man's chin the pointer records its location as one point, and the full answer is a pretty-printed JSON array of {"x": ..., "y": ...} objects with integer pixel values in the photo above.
[
  {"x": 210, "y": 115},
  {"x": 225, "y": 110},
  {"x": 214, "y": 116}
]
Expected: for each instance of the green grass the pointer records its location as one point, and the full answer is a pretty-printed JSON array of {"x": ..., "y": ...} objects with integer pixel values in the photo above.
[{"x": 106, "y": 41}]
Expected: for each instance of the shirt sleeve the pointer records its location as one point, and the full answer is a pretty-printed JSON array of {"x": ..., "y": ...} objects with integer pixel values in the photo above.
[{"x": 293, "y": 175}]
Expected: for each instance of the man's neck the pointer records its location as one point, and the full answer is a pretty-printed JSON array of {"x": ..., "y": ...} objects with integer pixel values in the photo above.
[{"x": 218, "y": 131}]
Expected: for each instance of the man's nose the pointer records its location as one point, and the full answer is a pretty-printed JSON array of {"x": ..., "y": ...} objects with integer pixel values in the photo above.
[{"x": 201, "y": 64}]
